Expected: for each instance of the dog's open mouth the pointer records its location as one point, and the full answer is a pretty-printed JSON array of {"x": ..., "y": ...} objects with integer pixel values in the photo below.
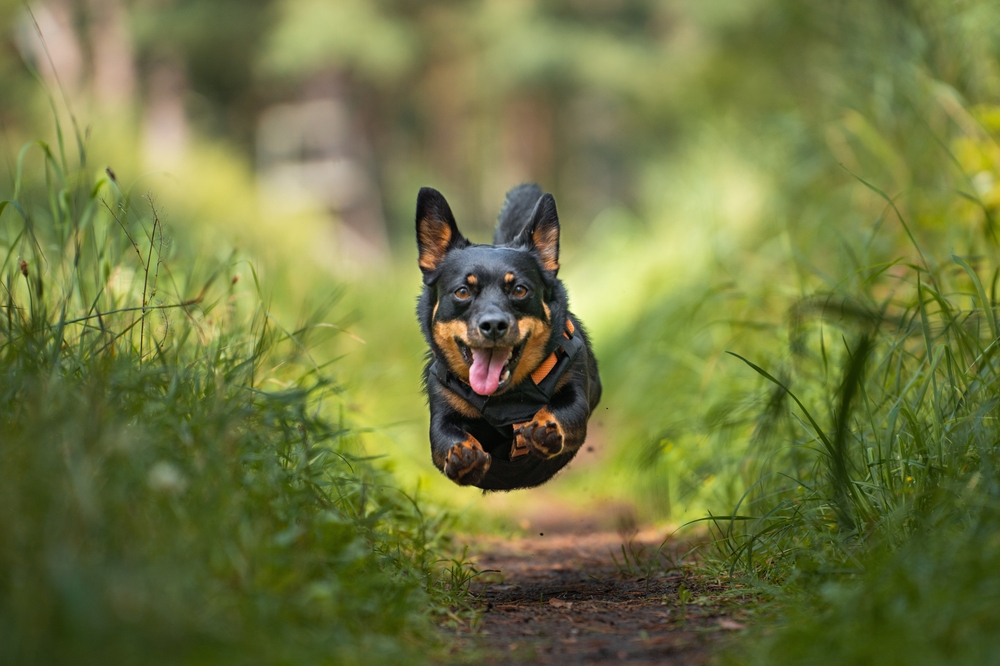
[{"x": 490, "y": 367}]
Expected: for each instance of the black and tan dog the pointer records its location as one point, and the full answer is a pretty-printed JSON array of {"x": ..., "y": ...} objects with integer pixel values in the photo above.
[{"x": 510, "y": 378}]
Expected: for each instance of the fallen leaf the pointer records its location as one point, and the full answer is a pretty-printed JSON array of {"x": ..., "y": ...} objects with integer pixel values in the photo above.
[
  {"x": 731, "y": 625},
  {"x": 559, "y": 603}
]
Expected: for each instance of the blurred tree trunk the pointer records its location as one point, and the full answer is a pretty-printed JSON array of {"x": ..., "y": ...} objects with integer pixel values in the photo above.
[
  {"x": 165, "y": 125},
  {"x": 317, "y": 150},
  {"x": 528, "y": 140},
  {"x": 56, "y": 53},
  {"x": 111, "y": 52}
]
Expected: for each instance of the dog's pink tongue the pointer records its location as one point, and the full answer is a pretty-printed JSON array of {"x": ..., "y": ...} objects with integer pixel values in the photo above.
[{"x": 487, "y": 364}]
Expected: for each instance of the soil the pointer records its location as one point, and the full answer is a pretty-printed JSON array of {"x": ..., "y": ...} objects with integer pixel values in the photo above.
[{"x": 596, "y": 597}]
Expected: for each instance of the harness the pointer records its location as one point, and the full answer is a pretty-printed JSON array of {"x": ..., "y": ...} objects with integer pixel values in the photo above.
[{"x": 520, "y": 403}]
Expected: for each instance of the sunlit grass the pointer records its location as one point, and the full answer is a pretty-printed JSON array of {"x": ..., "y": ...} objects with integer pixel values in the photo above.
[
  {"x": 877, "y": 482},
  {"x": 872, "y": 470},
  {"x": 177, "y": 480}
]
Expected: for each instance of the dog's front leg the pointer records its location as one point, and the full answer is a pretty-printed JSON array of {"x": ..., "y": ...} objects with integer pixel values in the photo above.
[
  {"x": 557, "y": 428},
  {"x": 455, "y": 452}
]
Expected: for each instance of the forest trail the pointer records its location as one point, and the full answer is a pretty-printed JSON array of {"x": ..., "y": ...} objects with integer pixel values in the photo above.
[{"x": 574, "y": 597}]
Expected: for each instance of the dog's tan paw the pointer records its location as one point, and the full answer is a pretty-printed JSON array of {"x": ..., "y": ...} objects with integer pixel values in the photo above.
[
  {"x": 467, "y": 463},
  {"x": 542, "y": 436}
]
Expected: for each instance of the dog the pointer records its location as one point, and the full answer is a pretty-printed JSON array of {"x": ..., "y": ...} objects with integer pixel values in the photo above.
[{"x": 510, "y": 376}]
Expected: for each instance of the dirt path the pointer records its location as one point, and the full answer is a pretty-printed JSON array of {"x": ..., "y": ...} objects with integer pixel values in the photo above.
[{"x": 576, "y": 599}]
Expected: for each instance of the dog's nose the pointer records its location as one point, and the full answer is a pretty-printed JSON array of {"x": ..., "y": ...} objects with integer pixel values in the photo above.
[{"x": 494, "y": 327}]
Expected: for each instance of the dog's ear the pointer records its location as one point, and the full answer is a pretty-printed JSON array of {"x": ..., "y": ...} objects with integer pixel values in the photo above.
[
  {"x": 542, "y": 234},
  {"x": 436, "y": 230}
]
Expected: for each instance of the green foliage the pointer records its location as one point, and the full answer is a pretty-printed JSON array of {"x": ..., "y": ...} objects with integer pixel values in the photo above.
[
  {"x": 876, "y": 506},
  {"x": 311, "y": 34},
  {"x": 758, "y": 209},
  {"x": 872, "y": 471},
  {"x": 172, "y": 485},
  {"x": 932, "y": 601}
]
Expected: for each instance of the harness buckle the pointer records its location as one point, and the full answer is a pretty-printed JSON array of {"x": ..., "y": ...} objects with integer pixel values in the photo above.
[{"x": 515, "y": 450}]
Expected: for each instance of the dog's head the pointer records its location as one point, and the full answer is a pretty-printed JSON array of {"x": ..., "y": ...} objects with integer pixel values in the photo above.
[{"x": 489, "y": 309}]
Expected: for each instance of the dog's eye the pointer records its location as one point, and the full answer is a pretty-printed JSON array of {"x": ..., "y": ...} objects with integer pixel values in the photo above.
[
  {"x": 520, "y": 291},
  {"x": 462, "y": 293}
]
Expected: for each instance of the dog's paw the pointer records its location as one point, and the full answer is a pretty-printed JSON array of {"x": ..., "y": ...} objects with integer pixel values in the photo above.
[
  {"x": 467, "y": 463},
  {"x": 542, "y": 436}
]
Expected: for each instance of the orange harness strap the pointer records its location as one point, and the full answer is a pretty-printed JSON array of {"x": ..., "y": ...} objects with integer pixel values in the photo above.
[
  {"x": 519, "y": 447},
  {"x": 542, "y": 371}
]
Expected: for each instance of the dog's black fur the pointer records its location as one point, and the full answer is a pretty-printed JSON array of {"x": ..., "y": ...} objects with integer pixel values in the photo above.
[{"x": 501, "y": 301}]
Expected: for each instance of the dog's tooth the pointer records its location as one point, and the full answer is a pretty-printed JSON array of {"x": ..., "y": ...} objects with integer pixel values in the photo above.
[{"x": 505, "y": 376}]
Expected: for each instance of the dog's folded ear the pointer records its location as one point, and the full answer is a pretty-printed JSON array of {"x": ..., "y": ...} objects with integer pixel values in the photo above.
[
  {"x": 542, "y": 234},
  {"x": 436, "y": 231}
]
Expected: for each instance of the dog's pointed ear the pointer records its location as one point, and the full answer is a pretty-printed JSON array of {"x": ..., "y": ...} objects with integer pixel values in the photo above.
[
  {"x": 436, "y": 230},
  {"x": 542, "y": 235}
]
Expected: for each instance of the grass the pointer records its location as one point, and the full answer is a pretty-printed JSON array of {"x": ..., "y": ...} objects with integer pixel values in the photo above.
[
  {"x": 873, "y": 470},
  {"x": 177, "y": 480},
  {"x": 876, "y": 521}
]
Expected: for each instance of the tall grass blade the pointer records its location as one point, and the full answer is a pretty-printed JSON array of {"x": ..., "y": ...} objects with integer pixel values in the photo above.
[{"x": 984, "y": 300}]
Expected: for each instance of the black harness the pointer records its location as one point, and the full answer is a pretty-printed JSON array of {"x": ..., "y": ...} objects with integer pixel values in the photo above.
[{"x": 520, "y": 403}]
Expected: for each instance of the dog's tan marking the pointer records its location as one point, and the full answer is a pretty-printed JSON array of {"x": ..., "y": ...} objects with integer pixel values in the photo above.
[
  {"x": 546, "y": 240},
  {"x": 543, "y": 415},
  {"x": 548, "y": 312},
  {"x": 508, "y": 279},
  {"x": 434, "y": 311},
  {"x": 434, "y": 236},
  {"x": 543, "y": 419},
  {"x": 472, "y": 280},
  {"x": 537, "y": 332},
  {"x": 460, "y": 451},
  {"x": 458, "y": 404},
  {"x": 445, "y": 333}
]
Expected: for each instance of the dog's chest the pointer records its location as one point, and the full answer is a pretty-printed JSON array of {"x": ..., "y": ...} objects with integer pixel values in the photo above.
[{"x": 495, "y": 440}]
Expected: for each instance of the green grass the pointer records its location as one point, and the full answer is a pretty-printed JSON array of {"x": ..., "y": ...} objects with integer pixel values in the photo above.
[
  {"x": 875, "y": 514},
  {"x": 177, "y": 480},
  {"x": 873, "y": 470}
]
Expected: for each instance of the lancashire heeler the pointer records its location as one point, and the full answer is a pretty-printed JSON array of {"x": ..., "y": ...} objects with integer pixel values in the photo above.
[{"x": 510, "y": 377}]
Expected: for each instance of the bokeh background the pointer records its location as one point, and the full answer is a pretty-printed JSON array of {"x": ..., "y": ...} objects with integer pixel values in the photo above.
[{"x": 705, "y": 156}]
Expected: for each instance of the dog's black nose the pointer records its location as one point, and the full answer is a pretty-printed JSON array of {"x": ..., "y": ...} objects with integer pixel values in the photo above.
[{"x": 494, "y": 327}]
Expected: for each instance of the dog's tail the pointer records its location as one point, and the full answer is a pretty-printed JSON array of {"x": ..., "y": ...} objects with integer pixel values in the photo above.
[{"x": 516, "y": 212}]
